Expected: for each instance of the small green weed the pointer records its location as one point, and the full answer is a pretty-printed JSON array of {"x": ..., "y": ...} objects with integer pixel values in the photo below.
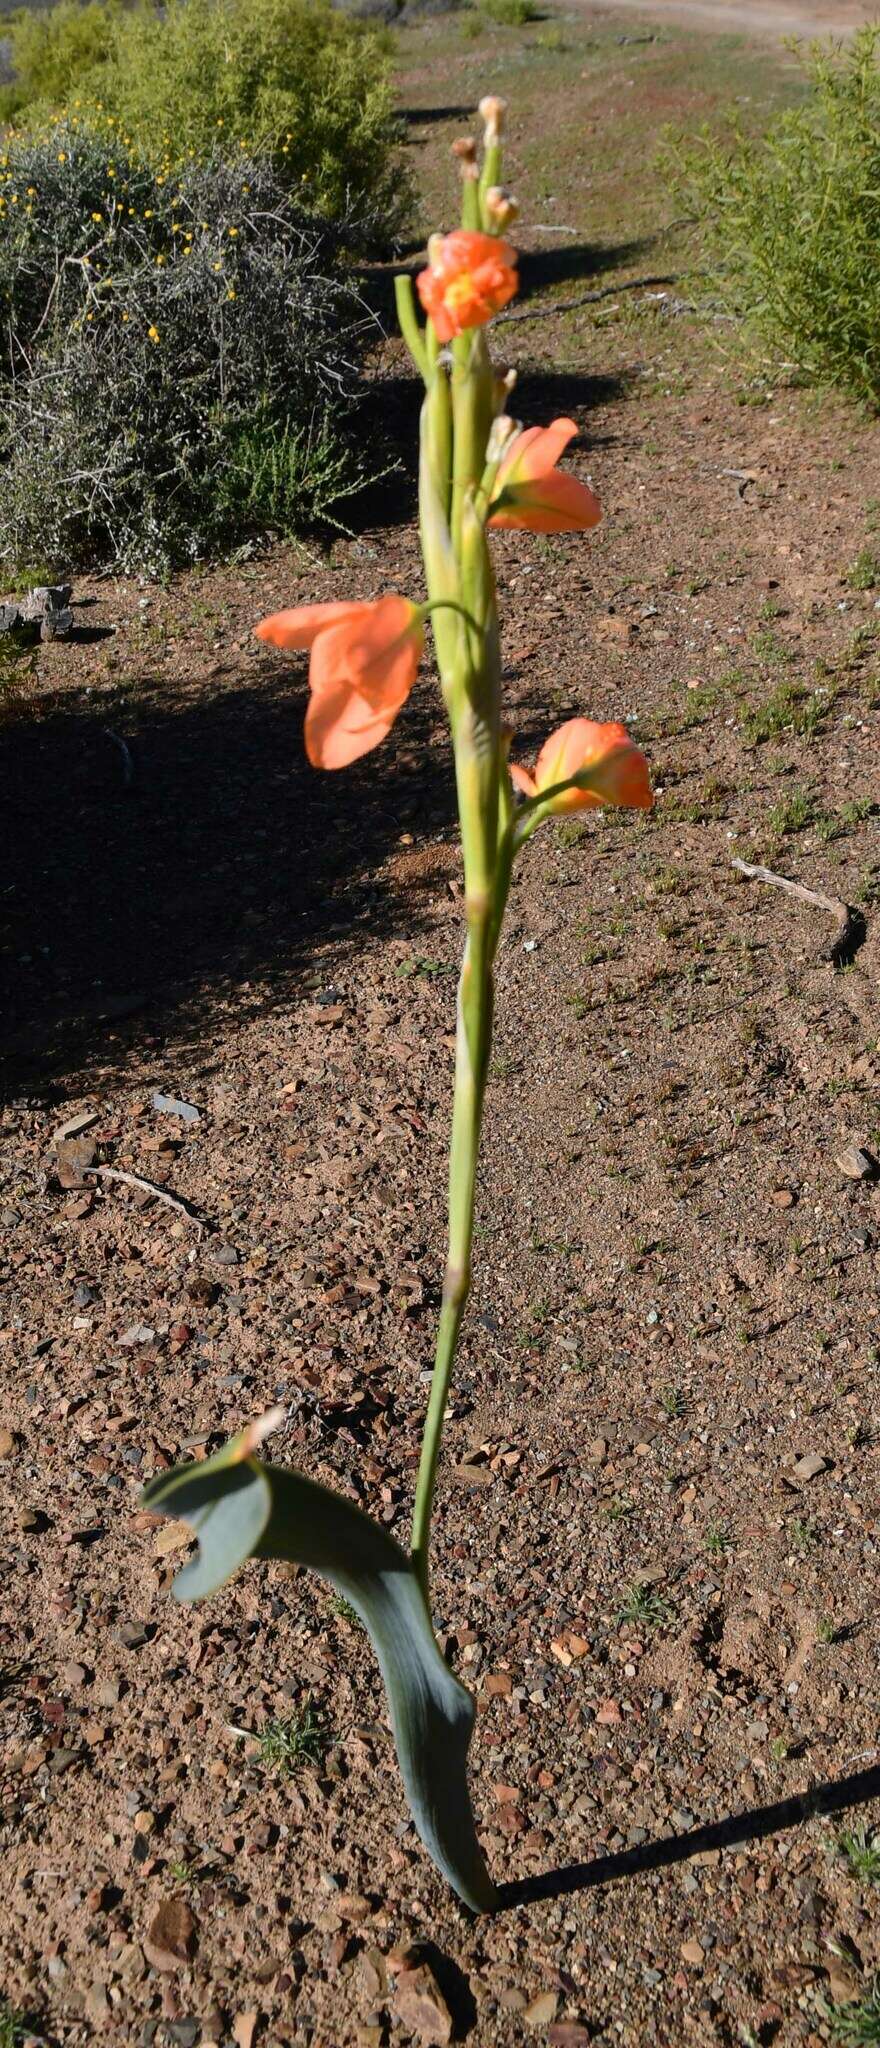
[
  {"x": 183, "y": 1870},
  {"x": 301, "y": 1739},
  {"x": 570, "y": 832},
  {"x": 768, "y": 648},
  {"x": 13, "y": 2025},
  {"x": 803, "y": 1536},
  {"x": 672, "y": 1402},
  {"x": 430, "y": 969},
  {"x": 717, "y": 1539},
  {"x": 793, "y": 814},
  {"x": 862, "y": 1852},
  {"x": 666, "y": 881},
  {"x": 833, "y": 824},
  {"x": 790, "y": 708},
  {"x": 864, "y": 572},
  {"x": 342, "y": 1607},
  {"x": 858, "y": 2026},
  {"x": 618, "y": 1509},
  {"x": 552, "y": 39},
  {"x": 645, "y": 1607},
  {"x": 17, "y": 669}
]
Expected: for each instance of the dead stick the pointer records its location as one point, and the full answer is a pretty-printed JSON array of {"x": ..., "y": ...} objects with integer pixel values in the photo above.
[
  {"x": 606, "y": 291},
  {"x": 136, "y": 1180},
  {"x": 125, "y": 751},
  {"x": 851, "y": 924}
]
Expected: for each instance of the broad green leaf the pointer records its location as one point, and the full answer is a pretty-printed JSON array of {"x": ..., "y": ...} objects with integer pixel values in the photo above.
[{"x": 240, "y": 1508}]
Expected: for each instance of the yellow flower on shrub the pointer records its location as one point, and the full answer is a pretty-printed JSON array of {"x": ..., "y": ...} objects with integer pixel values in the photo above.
[{"x": 152, "y": 333}]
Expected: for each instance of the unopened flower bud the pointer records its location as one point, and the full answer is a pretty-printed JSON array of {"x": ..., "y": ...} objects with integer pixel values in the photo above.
[
  {"x": 501, "y": 206},
  {"x": 493, "y": 111},
  {"x": 435, "y": 251},
  {"x": 465, "y": 149},
  {"x": 502, "y": 431},
  {"x": 502, "y": 386}
]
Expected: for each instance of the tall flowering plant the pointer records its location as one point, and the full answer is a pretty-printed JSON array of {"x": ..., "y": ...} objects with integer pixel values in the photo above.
[{"x": 479, "y": 469}]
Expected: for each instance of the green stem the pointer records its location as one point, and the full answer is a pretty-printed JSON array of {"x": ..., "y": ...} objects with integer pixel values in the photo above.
[
  {"x": 473, "y": 1039},
  {"x": 409, "y": 325}
]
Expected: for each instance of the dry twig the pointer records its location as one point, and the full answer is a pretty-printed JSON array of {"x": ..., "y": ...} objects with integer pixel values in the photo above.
[
  {"x": 136, "y": 1180},
  {"x": 851, "y": 924},
  {"x": 605, "y": 291}
]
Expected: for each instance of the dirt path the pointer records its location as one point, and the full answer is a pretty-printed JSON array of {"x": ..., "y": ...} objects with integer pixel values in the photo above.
[{"x": 757, "y": 17}]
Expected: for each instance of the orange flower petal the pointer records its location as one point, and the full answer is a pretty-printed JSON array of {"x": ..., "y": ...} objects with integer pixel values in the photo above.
[
  {"x": 618, "y": 771},
  {"x": 361, "y": 673},
  {"x": 535, "y": 451},
  {"x": 376, "y": 653},
  {"x": 521, "y": 779},
  {"x": 556, "y": 503},
  {"x": 531, "y": 492},
  {"x": 341, "y": 726},
  {"x": 299, "y": 628},
  {"x": 469, "y": 277}
]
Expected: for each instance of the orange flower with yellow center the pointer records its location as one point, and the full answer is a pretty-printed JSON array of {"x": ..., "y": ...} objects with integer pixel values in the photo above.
[
  {"x": 530, "y": 491},
  {"x": 364, "y": 660},
  {"x": 469, "y": 277},
  {"x": 612, "y": 769}
]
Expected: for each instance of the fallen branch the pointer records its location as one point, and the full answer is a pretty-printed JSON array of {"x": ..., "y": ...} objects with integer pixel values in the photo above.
[
  {"x": 851, "y": 924},
  {"x": 136, "y": 1180},
  {"x": 605, "y": 291},
  {"x": 125, "y": 751}
]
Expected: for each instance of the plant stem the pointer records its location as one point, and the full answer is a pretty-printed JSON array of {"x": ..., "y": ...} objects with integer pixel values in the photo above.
[{"x": 472, "y": 1043}]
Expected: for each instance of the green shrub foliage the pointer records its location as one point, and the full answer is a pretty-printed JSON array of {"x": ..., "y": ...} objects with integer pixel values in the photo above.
[
  {"x": 156, "y": 334},
  {"x": 53, "y": 49},
  {"x": 791, "y": 225},
  {"x": 288, "y": 79}
]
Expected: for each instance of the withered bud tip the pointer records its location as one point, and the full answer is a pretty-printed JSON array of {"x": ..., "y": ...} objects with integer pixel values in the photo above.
[
  {"x": 501, "y": 206},
  {"x": 256, "y": 1432},
  {"x": 493, "y": 111}
]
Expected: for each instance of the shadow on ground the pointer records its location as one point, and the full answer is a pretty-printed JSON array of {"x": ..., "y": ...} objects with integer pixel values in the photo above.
[
  {"x": 173, "y": 861},
  {"x": 390, "y": 418},
  {"x": 213, "y": 878},
  {"x": 835, "y": 1796}
]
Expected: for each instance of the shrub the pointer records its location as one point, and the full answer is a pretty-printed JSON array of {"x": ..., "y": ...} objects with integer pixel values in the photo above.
[
  {"x": 791, "y": 225},
  {"x": 150, "y": 329},
  {"x": 511, "y": 13},
  {"x": 51, "y": 50},
  {"x": 288, "y": 79}
]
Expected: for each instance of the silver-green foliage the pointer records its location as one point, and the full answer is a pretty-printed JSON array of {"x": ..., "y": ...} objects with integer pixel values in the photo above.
[
  {"x": 241, "y": 1508},
  {"x": 177, "y": 357}
]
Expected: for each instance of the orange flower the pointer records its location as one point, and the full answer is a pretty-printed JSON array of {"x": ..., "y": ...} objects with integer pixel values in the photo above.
[
  {"x": 530, "y": 491},
  {"x": 616, "y": 772},
  {"x": 363, "y": 666},
  {"x": 469, "y": 277}
]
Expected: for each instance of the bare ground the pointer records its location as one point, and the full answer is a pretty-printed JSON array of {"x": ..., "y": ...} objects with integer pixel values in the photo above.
[{"x": 772, "y": 18}]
